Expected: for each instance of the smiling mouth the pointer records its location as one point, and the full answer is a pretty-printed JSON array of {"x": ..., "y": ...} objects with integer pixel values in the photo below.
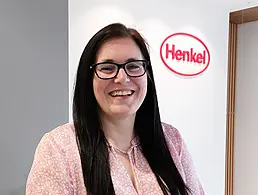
[{"x": 121, "y": 93}]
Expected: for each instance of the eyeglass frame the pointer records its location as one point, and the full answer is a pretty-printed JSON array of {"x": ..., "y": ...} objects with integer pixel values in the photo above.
[{"x": 146, "y": 63}]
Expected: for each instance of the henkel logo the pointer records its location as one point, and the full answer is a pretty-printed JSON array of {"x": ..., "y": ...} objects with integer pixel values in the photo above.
[{"x": 185, "y": 54}]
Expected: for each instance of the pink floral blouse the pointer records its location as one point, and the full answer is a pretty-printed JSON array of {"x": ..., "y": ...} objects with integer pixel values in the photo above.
[{"x": 56, "y": 168}]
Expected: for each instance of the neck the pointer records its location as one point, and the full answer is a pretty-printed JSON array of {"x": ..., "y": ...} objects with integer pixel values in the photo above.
[{"x": 119, "y": 132}]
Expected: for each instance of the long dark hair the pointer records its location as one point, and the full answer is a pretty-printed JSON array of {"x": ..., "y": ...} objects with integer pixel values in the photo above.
[{"x": 90, "y": 137}]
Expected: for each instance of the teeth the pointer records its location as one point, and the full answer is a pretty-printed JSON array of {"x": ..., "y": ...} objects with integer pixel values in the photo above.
[{"x": 121, "y": 93}]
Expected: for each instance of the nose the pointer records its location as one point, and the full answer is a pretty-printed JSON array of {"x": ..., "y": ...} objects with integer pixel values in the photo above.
[{"x": 122, "y": 77}]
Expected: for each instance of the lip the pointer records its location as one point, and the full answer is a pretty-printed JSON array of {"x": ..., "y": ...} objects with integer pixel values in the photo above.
[
  {"x": 123, "y": 97},
  {"x": 121, "y": 90}
]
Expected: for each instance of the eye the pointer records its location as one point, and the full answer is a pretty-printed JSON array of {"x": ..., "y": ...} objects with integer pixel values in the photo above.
[
  {"x": 106, "y": 68},
  {"x": 134, "y": 66}
]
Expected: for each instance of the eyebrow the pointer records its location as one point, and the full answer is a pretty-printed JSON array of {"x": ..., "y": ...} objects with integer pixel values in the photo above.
[{"x": 111, "y": 60}]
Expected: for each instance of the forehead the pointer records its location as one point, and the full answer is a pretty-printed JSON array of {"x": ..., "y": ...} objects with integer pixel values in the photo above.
[{"x": 119, "y": 50}]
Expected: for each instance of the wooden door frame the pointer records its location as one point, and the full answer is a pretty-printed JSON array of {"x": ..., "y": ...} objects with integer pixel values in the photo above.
[{"x": 236, "y": 18}]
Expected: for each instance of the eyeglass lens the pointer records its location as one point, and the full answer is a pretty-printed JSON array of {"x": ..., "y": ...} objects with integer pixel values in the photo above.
[{"x": 109, "y": 70}]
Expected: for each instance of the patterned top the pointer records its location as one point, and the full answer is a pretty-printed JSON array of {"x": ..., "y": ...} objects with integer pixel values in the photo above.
[{"x": 56, "y": 168}]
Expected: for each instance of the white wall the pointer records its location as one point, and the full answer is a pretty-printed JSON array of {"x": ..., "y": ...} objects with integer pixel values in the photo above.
[
  {"x": 246, "y": 133},
  {"x": 196, "y": 106},
  {"x": 235, "y": 5}
]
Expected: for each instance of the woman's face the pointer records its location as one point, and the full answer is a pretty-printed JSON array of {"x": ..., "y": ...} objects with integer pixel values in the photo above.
[{"x": 121, "y": 96}]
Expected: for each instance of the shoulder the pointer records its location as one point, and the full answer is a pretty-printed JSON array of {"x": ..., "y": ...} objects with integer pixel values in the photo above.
[
  {"x": 63, "y": 133},
  {"x": 62, "y": 137},
  {"x": 173, "y": 137},
  {"x": 52, "y": 163},
  {"x": 182, "y": 158},
  {"x": 170, "y": 131}
]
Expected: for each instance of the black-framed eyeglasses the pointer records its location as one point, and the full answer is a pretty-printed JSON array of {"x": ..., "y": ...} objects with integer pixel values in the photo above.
[{"x": 109, "y": 70}]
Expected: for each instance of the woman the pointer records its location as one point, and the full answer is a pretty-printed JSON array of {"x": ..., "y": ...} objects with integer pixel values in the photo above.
[{"x": 116, "y": 143}]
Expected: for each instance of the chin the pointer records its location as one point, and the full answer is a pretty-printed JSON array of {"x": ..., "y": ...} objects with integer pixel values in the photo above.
[{"x": 122, "y": 112}]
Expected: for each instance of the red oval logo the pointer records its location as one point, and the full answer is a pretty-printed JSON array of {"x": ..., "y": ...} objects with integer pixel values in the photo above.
[{"x": 185, "y": 54}]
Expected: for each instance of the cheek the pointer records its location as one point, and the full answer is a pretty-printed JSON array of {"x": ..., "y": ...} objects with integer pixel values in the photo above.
[
  {"x": 142, "y": 84},
  {"x": 99, "y": 88},
  {"x": 95, "y": 87}
]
